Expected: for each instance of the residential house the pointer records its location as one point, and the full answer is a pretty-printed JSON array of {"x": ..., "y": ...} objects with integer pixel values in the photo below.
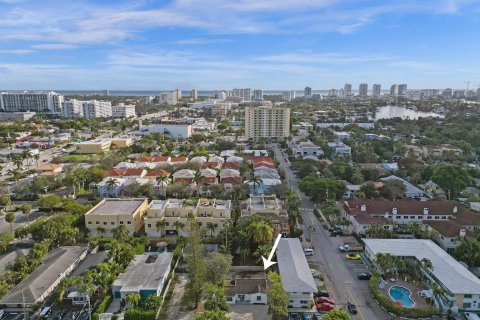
[
  {"x": 110, "y": 187},
  {"x": 411, "y": 191},
  {"x": 146, "y": 275},
  {"x": 340, "y": 148},
  {"x": 246, "y": 285},
  {"x": 209, "y": 176},
  {"x": 447, "y": 233},
  {"x": 178, "y": 160},
  {"x": 49, "y": 170},
  {"x": 267, "y": 206},
  {"x": 229, "y": 178},
  {"x": 126, "y": 173},
  {"x": 305, "y": 149},
  {"x": 184, "y": 176}
]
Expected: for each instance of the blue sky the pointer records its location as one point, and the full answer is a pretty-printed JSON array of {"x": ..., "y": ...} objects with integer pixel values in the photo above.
[{"x": 221, "y": 44}]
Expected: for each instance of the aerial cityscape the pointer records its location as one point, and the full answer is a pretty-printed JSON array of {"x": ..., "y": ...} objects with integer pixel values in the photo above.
[{"x": 251, "y": 160}]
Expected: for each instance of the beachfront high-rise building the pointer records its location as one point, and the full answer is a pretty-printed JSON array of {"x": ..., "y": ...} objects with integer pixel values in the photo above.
[
  {"x": 267, "y": 122},
  {"x": 307, "y": 92},
  {"x": 402, "y": 89},
  {"x": 376, "y": 90},
  {"x": 447, "y": 93},
  {"x": 257, "y": 94},
  {"x": 244, "y": 93},
  {"x": 394, "y": 90},
  {"x": 72, "y": 108},
  {"x": 333, "y": 93},
  {"x": 43, "y": 102},
  {"x": 105, "y": 93},
  {"x": 194, "y": 94},
  {"x": 363, "y": 89},
  {"x": 123, "y": 111},
  {"x": 169, "y": 98},
  {"x": 222, "y": 95},
  {"x": 96, "y": 109},
  {"x": 288, "y": 95},
  {"x": 347, "y": 89}
]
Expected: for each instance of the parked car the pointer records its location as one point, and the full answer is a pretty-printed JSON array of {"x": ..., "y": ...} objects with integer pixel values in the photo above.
[
  {"x": 317, "y": 316},
  {"x": 335, "y": 231},
  {"x": 45, "y": 312},
  {"x": 321, "y": 294},
  {"x": 324, "y": 306},
  {"x": 351, "y": 308},
  {"x": 353, "y": 256},
  {"x": 307, "y": 316},
  {"x": 364, "y": 276},
  {"x": 308, "y": 252},
  {"x": 325, "y": 300},
  {"x": 344, "y": 248}
]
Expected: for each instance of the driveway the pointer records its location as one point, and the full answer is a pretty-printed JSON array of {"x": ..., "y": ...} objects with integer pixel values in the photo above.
[
  {"x": 247, "y": 312},
  {"x": 340, "y": 274}
]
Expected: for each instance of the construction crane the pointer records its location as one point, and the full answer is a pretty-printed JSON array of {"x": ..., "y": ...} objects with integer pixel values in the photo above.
[{"x": 468, "y": 87}]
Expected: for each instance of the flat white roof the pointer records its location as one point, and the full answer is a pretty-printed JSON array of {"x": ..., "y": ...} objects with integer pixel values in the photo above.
[{"x": 446, "y": 269}]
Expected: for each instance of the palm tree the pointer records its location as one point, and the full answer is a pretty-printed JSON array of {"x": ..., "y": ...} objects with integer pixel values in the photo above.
[
  {"x": 256, "y": 182},
  {"x": 244, "y": 253},
  {"x": 161, "y": 179},
  {"x": 111, "y": 184},
  {"x": 262, "y": 251},
  {"x": 18, "y": 162},
  {"x": 36, "y": 157},
  {"x": 15, "y": 173},
  {"x": 427, "y": 264},
  {"x": 178, "y": 226},
  {"x": 211, "y": 226},
  {"x": 120, "y": 233},
  {"x": 26, "y": 156},
  {"x": 133, "y": 299},
  {"x": 100, "y": 231},
  {"x": 160, "y": 225},
  {"x": 260, "y": 232},
  {"x": 197, "y": 176}
]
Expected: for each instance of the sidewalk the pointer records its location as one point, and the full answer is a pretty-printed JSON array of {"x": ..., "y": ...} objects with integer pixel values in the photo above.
[{"x": 175, "y": 305}]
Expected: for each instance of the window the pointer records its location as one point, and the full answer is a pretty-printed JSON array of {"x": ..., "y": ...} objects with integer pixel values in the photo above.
[
  {"x": 112, "y": 223},
  {"x": 467, "y": 305},
  {"x": 121, "y": 222},
  {"x": 129, "y": 222},
  {"x": 398, "y": 217},
  {"x": 412, "y": 217},
  {"x": 104, "y": 223},
  {"x": 303, "y": 301},
  {"x": 467, "y": 296},
  {"x": 97, "y": 222},
  {"x": 259, "y": 298},
  {"x": 149, "y": 225},
  {"x": 89, "y": 222}
]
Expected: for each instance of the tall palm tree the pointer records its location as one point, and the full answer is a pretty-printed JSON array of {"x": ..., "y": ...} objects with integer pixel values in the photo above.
[
  {"x": 161, "y": 179},
  {"x": 36, "y": 157},
  {"x": 211, "y": 226},
  {"x": 26, "y": 156},
  {"x": 15, "y": 173},
  {"x": 160, "y": 225},
  {"x": 256, "y": 182},
  {"x": 244, "y": 253},
  {"x": 262, "y": 251},
  {"x": 427, "y": 264},
  {"x": 18, "y": 162},
  {"x": 197, "y": 176},
  {"x": 133, "y": 299},
  {"x": 178, "y": 226}
]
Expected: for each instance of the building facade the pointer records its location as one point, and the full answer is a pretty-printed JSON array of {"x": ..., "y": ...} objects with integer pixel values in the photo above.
[
  {"x": 267, "y": 122},
  {"x": 72, "y": 108},
  {"x": 43, "y": 102},
  {"x": 123, "y": 111},
  {"x": 244, "y": 93},
  {"x": 376, "y": 90},
  {"x": 363, "y": 89},
  {"x": 97, "y": 109}
]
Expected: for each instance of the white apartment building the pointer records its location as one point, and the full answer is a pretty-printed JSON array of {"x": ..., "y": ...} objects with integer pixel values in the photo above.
[
  {"x": 173, "y": 130},
  {"x": 394, "y": 90},
  {"x": 97, "y": 109},
  {"x": 50, "y": 102},
  {"x": 363, "y": 89},
  {"x": 267, "y": 122},
  {"x": 170, "y": 98},
  {"x": 244, "y": 93},
  {"x": 376, "y": 90},
  {"x": 194, "y": 94},
  {"x": 222, "y": 95},
  {"x": 258, "y": 94},
  {"x": 288, "y": 95},
  {"x": 72, "y": 108},
  {"x": 347, "y": 89},
  {"x": 124, "y": 111}
]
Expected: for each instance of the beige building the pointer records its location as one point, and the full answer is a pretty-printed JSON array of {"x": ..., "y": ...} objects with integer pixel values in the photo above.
[
  {"x": 122, "y": 142},
  {"x": 267, "y": 206},
  {"x": 267, "y": 122},
  {"x": 110, "y": 213},
  {"x": 93, "y": 146},
  {"x": 175, "y": 213}
]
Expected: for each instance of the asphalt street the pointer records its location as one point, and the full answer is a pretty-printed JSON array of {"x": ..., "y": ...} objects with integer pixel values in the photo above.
[{"x": 340, "y": 273}]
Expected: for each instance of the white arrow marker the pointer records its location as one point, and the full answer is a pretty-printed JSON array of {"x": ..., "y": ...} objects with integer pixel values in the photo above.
[{"x": 268, "y": 263}]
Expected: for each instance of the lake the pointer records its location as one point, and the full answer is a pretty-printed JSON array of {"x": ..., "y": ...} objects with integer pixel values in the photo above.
[{"x": 390, "y": 112}]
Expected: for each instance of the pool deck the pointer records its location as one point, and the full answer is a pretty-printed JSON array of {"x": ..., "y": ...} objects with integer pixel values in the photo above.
[{"x": 419, "y": 301}]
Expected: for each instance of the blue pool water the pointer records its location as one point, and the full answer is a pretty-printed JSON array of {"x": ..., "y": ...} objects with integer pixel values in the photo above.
[{"x": 402, "y": 295}]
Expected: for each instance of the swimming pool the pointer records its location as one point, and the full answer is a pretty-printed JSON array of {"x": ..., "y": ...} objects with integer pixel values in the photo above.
[{"x": 401, "y": 295}]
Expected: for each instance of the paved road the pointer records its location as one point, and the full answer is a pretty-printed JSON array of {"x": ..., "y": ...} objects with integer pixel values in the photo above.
[{"x": 340, "y": 273}]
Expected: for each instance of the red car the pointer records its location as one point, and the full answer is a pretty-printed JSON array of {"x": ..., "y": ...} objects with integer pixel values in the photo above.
[
  {"x": 324, "y": 306},
  {"x": 325, "y": 300}
]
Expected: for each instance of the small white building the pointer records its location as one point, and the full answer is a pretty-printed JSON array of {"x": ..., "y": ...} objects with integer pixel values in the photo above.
[
  {"x": 340, "y": 148},
  {"x": 123, "y": 111},
  {"x": 246, "y": 285}
]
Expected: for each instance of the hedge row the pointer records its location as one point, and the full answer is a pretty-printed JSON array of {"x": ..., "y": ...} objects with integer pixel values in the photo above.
[
  {"x": 391, "y": 307},
  {"x": 140, "y": 314},
  {"x": 102, "y": 307}
]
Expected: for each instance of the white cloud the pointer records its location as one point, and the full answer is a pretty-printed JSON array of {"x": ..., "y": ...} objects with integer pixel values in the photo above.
[
  {"x": 54, "y": 46},
  {"x": 16, "y": 51}
]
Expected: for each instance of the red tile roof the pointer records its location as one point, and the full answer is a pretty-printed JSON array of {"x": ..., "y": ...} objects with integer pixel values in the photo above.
[
  {"x": 124, "y": 172},
  {"x": 231, "y": 165},
  {"x": 152, "y": 159},
  {"x": 157, "y": 172},
  {"x": 213, "y": 164},
  {"x": 263, "y": 164},
  {"x": 178, "y": 159},
  {"x": 231, "y": 180},
  {"x": 448, "y": 228}
]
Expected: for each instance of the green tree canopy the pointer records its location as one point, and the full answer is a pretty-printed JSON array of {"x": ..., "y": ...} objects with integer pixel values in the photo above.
[{"x": 277, "y": 297}]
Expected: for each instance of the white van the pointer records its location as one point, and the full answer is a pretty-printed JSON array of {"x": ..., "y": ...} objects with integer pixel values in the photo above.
[
  {"x": 308, "y": 252},
  {"x": 471, "y": 316}
]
